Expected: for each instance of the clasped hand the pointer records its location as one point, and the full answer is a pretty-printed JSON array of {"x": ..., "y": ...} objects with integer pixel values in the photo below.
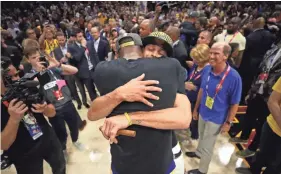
[{"x": 111, "y": 127}]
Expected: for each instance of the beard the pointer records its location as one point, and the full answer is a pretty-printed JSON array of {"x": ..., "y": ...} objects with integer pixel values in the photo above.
[{"x": 230, "y": 31}]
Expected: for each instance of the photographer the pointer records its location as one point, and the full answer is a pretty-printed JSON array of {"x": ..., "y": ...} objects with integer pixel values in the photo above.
[
  {"x": 26, "y": 136},
  {"x": 56, "y": 92}
]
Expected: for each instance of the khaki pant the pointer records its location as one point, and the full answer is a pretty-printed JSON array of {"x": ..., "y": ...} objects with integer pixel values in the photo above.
[{"x": 208, "y": 133}]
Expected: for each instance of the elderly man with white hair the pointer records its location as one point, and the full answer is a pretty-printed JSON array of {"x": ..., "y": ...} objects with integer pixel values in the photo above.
[{"x": 218, "y": 100}]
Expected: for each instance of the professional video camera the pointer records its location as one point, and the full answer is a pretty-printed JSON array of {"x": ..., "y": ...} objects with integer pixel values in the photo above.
[{"x": 25, "y": 89}]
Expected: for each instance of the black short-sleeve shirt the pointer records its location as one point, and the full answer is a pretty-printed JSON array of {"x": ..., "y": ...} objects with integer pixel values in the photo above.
[
  {"x": 150, "y": 152},
  {"x": 24, "y": 145}
]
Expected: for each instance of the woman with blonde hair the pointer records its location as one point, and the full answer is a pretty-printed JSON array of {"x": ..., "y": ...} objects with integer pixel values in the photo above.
[{"x": 200, "y": 56}]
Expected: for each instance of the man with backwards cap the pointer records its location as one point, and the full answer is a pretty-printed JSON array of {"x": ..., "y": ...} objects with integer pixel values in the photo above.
[{"x": 151, "y": 115}]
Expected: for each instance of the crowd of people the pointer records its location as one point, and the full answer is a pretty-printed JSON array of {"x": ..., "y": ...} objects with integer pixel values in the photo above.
[{"x": 149, "y": 69}]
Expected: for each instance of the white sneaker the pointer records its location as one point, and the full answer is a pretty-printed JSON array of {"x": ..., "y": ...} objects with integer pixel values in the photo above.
[{"x": 79, "y": 146}]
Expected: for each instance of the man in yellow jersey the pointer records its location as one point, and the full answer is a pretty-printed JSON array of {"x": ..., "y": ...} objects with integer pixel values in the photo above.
[{"x": 269, "y": 155}]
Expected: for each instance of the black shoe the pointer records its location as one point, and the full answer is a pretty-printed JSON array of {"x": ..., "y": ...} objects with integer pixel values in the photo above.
[
  {"x": 195, "y": 171},
  {"x": 86, "y": 105},
  {"x": 79, "y": 107},
  {"x": 243, "y": 170},
  {"x": 192, "y": 155},
  {"x": 5, "y": 162}
]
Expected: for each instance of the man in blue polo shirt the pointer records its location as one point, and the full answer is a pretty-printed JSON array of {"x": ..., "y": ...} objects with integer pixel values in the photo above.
[{"x": 217, "y": 102}]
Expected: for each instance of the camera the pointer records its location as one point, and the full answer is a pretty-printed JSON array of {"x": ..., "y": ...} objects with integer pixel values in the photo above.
[
  {"x": 25, "y": 90},
  {"x": 44, "y": 61}
]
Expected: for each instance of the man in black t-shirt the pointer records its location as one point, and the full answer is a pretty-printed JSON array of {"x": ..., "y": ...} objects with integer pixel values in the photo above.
[
  {"x": 150, "y": 151},
  {"x": 26, "y": 136}
]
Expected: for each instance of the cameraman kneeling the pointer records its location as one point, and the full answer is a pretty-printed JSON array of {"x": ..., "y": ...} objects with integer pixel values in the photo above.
[{"x": 26, "y": 136}]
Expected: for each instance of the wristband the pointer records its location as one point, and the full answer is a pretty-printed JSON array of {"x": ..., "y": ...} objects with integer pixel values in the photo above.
[{"x": 128, "y": 118}]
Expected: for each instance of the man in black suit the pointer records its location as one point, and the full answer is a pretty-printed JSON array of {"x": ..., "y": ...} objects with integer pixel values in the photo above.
[
  {"x": 83, "y": 56},
  {"x": 257, "y": 43},
  {"x": 59, "y": 54},
  {"x": 101, "y": 46},
  {"x": 180, "y": 52}
]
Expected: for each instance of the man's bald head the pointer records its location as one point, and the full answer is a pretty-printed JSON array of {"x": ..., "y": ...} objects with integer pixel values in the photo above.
[
  {"x": 259, "y": 23},
  {"x": 213, "y": 21},
  {"x": 146, "y": 27},
  {"x": 147, "y": 22},
  {"x": 205, "y": 37},
  {"x": 173, "y": 32},
  {"x": 236, "y": 20}
]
